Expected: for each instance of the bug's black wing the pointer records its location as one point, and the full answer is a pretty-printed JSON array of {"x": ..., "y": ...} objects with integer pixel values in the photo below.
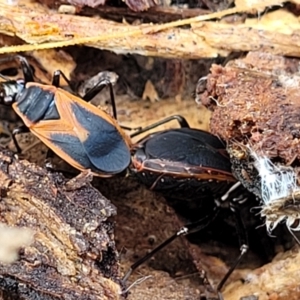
[
  {"x": 83, "y": 138},
  {"x": 189, "y": 146},
  {"x": 104, "y": 145}
]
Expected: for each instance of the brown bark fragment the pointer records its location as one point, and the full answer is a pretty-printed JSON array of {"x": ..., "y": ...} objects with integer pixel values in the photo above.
[
  {"x": 135, "y": 5},
  {"x": 73, "y": 254},
  {"x": 46, "y": 29},
  {"x": 256, "y": 100},
  {"x": 255, "y": 103},
  {"x": 278, "y": 280}
]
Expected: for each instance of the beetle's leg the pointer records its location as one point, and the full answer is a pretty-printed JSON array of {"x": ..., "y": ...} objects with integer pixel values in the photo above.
[
  {"x": 243, "y": 250},
  {"x": 187, "y": 229},
  {"x": 240, "y": 226},
  {"x": 243, "y": 241},
  {"x": 181, "y": 120},
  {"x": 21, "y": 129},
  {"x": 27, "y": 71}
]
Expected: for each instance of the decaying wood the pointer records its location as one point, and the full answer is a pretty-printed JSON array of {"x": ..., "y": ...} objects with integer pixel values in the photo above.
[
  {"x": 278, "y": 280},
  {"x": 72, "y": 255},
  {"x": 36, "y": 25},
  {"x": 255, "y": 104},
  {"x": 156, "y": 14},
  {"x": 135, "y": 5}
]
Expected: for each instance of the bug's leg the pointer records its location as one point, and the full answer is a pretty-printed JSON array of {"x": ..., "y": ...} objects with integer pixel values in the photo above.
[
  {"x": 16, "y": 131},
  {"x": 102, "y": 83},
  {"x": 27, "y": 71},
  {"x": 243, "y": 241},
  {"x": 181, "y": 120},
  {"x": 56, "y": 79},
  {"x": 187, "y": 229},
  {"x": 105, "y": 79},
  {"x": 50, "y": 154},
  {"x": 106, "y": 82}
]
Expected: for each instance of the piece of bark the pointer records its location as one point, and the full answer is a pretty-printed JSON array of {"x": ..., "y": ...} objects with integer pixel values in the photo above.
[
  {"x": 135, "y": 5},
  {"x": 256, "y": 101},
  {"x": 255, "y": 104},
  {"x": 156, "y": 14},
  {"x": 278, "y": 280},
  {"x": 33, "y": 24},
  {"x": 46, "y": 29},
  {"x": 73, "y": 254}
]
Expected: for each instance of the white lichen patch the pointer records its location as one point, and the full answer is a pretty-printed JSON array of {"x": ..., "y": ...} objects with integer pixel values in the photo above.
[{"x": 280, "y": 193}]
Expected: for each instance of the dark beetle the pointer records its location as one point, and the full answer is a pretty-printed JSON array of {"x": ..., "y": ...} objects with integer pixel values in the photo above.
[
  {"x": 192, "y": 170},
  {"x": 189, "y": 167},
  {"x": 166, "y": 160}
]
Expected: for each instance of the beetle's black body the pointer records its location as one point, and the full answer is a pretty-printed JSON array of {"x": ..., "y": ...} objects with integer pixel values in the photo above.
[
  {"x": 183, "y": 163},
  {"x": 192, "y": 170}
]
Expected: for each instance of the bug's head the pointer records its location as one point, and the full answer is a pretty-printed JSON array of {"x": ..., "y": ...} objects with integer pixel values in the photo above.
[{"x": 9, "y": 90}]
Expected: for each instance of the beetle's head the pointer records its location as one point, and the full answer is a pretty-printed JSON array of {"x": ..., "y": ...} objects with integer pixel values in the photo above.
[{"x": 9, "y": 90}]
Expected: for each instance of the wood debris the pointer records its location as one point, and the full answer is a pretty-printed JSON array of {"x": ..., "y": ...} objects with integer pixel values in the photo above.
[
  {"x": 44, "y": 29},
  {"x": 255, "y": 104},
  {"x": 278, "y": 280},
  {"x": 134, "y": 5},
  {"x": 72, "y": 254}
]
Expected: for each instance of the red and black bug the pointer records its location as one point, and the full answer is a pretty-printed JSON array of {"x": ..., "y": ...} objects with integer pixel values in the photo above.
[
  {"x": 67, "y": 124},
  {"x": 185, "y": 164}
]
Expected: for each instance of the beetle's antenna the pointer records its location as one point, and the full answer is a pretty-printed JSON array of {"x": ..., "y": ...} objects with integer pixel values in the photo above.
[{"x": 293, "y": 234}]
